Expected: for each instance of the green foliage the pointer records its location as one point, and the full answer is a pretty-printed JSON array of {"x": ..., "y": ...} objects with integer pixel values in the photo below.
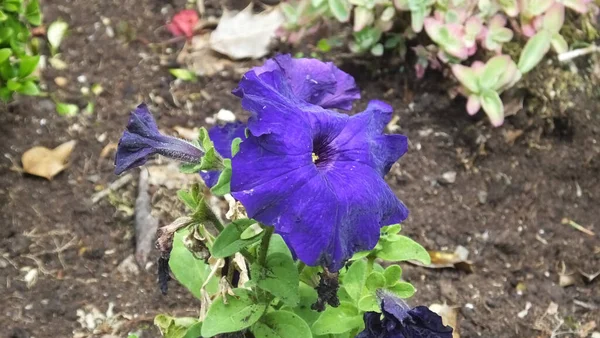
[
  {"x": 281, "y": 324},
  {"x": 457, "y": 28},
  {"x": 232, "y": 313},
  {"x": 182, "y": 327},
  {"x": 189, "y": 270},
  {"x": 232, "y": 239},
  {"x": 17, "y": 64}
]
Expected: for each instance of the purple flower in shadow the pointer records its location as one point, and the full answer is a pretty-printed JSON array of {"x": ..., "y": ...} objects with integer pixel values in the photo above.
[
  {"x": 314, "y": 174},
  {"x": 314, "y": 81},
  {"x": 401, "y": 321},
  {"x": 222, "y": 136},
  {"x": 142, "y": 139}
]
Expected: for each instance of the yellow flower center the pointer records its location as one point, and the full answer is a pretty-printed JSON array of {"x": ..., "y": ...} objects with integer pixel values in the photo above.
[{"x": 315, "y": 157}]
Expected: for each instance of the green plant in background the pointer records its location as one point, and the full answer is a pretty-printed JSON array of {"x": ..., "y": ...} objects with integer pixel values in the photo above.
[
  {"x": 17, "y": 64},
  {"x": 458, "y": 29}
]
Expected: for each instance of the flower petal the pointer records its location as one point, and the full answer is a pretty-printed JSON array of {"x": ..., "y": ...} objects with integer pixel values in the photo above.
[
  {"x": 325, "y": 211},
  {"x": 363, "y": 139},
  {"x": 314, "y": 81}
]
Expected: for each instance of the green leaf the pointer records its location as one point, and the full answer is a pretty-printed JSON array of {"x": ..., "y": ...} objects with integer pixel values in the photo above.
[
  {"x": 188, "y": 270},
  {"x": 13, "y": 84},
  {"x": 182, "y": 327},
  {"x": 355, "y": 278},
  {"x": 277, "y": 245},
  {"x": 375, "y": 280},
  {"x": 340, "y": 9},
  {"x": 183, "y": 74},
  {"x": 493, "y": 107},
  {"x": 5, "y": 53},
  {"x": 240, "y": 312},
  {"x": 29, "y": 88},
  {"x": 56, "y": 32},
  {"x": 12, "y": 5},
  {"x": 493, "y": 71},
  {"x": 28, "y": 65},
  {"x": 3, "y": 16},
  {"x": 223, "y": 185},
  {"x": 466, "y": 76},
  {"x": 368, "y": 303},
  {"x": 235, "y": 146},
  {"x": 308, "y": 296},
  {"x": 281, "y": 324},
  {"x": 229, "y": 240},
  {"x": 279, "y": 277},
  {"x": 323, "y": 45},
  {"x": 392, "y": 275},
  {"x": 290, "y": 12},
  {"x": 334, "y": 320},
  {"x": 559, "y": 44},
  {"x": 317, "y": 3},
  {"x": 377, "y": 50},
  {"x": 403, "y": 249},
  {"x": 66, "y": 109},
  {"x": 534, "y": 51},
  {"x": 32, "y": 13},
  {"x": 403, "y": 290}
]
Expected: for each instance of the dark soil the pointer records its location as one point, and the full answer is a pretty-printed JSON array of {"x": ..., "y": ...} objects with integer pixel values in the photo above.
[{"x": 505, "y": 206}]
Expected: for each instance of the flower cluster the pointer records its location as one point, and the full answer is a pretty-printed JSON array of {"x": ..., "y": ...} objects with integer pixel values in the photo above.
[
  {"x": 458, "y": 28},
  {"x": 312, "y": 175}
]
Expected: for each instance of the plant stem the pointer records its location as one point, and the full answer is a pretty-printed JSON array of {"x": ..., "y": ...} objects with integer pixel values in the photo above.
[
  {"x": 247, "y": 255},
  {"x": 264, "y": 245},
  {"x": 370, "y": 263}
]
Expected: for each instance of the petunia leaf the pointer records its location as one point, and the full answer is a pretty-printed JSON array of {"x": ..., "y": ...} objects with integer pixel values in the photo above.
[
  {"x": 335, "y": 320},
  {"x": 279, "y": 276},
  {"x": 392, "y": 275},
  {"x": 402, "y": 290},
  {"x": 33, "y": 13},
  {"x": 189, "y": 271},
  {"x": 375, "y": 280},
  {"x": 236, "y": 313},
  {"x": 355, "y": 278},
  {"x": 308, "y": 296},
  {"x": 402, "y": 248},
  {"x": 229, "y": 240},
  {"x": 368, "y": 303},
  {"x": 223, "y": 184},
  {"x": 178, "y": 327},
  {"x": 281, "y": 324}
]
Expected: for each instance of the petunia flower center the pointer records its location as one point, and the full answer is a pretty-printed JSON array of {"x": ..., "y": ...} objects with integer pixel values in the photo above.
[{"x": 322, "y": 154}]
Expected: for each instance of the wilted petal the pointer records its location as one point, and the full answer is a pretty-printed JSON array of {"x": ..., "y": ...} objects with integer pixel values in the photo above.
[
  {"x": 142, "y": 139},
  {"x": 401, "y": 321},
  {"x": 314, "y": 81}
]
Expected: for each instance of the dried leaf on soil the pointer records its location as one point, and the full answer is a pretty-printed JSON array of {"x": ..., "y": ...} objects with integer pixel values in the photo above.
[
  {"x": 449, "y": 316},
  {"x": 441, "y": 260},
  {"x": 47, "y": 163},
  {"x": 187, "y": 133},
  {"x": 245, "y": 34},
  {"x": 200, "y": 59}
]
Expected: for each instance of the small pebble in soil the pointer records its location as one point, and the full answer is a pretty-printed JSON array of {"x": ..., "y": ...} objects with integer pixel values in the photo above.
[
  {"x": 81, "y": 79},
  {"x": 448, "y": 177}
]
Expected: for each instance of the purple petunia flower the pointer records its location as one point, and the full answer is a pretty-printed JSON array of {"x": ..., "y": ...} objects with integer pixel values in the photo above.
[
  {"x": 314, "y": 81},
  {"x": 400, "y": 321},
  {"x": 142, "y": 140},
  {"x": 314, "y": 174},
  {"x": 222, "y": 136}
]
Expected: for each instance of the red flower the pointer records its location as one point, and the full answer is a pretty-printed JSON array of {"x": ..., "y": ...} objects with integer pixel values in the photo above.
[{"x": 183, "y": 23}]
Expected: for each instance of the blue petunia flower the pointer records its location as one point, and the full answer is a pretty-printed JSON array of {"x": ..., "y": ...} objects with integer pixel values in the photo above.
[
  {"x": 314, "y": 81},
  {"x": 142, "y": 139},
  {"x": 314, "y": 174},
  {"x": 222, "y": 136},
  {"x": 400, "y": 321}
]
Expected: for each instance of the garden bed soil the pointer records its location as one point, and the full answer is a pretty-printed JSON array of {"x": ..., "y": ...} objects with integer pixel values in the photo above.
[{"x": 513, "y": 187}]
